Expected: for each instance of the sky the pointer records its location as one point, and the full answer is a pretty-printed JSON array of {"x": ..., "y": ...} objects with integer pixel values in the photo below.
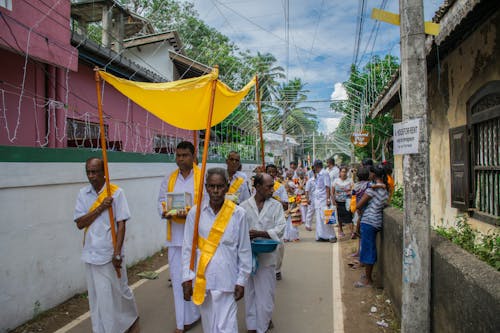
[{"x": 321, "y": 43}]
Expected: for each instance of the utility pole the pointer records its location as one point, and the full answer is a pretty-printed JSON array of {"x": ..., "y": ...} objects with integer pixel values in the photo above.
[{"x": 415, "y": 311}]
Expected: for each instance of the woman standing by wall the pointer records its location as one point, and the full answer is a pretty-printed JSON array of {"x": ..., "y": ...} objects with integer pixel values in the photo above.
[{"x": 341, "y": 191}]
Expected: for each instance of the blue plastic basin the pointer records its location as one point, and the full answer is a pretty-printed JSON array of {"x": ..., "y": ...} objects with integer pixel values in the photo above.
[{"x": 264, "y": 245}]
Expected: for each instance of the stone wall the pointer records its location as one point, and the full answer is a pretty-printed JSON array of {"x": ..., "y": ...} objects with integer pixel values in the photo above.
[{"x": 465, "y": 292}]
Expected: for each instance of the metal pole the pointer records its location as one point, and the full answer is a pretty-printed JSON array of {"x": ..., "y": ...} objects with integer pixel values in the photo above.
[{"x": 415, "y": 311}]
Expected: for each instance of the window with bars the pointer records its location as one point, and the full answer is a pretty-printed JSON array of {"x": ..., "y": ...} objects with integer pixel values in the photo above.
[
  {"x": 165, "y": 144},
  {"x": 85, "y": 134},
  {"x": 475, "y": 156}
]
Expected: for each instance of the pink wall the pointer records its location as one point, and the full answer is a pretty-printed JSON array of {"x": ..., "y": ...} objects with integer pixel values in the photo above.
[
  {"x": 75, "y": 96},
  {"x": 40, "y": 28}
]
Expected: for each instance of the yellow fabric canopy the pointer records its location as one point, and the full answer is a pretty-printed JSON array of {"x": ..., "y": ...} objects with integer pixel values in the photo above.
[{"x": 184, "y": 103}]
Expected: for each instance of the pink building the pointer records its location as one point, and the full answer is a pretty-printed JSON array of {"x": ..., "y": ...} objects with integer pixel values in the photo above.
[{"x": 48, "y": 88}]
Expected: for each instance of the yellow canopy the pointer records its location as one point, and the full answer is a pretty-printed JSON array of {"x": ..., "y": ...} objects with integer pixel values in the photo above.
[{"x": 184, "y": 103}]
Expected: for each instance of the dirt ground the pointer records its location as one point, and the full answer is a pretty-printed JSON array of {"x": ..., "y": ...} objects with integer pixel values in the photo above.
[
  {"x": 57, "y": 317},
  {"x": 366, "y": 310}
]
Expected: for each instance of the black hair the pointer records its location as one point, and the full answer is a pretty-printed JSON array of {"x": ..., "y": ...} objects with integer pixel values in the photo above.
[
  {"x": 258, "y": 179},
  {"x": 293, "y": 162},
  {"x": 232, "y": 152},
  {"x": 330, "y": 160},
  {"x": 186, "y": 145},
  {"x": 363, "y": 173},
  {"x": 271, "y": 166},
  {"x": 367, "y": 162},
  {"x": 387, "y": 167},
  {"x": 380, "y": 173}
]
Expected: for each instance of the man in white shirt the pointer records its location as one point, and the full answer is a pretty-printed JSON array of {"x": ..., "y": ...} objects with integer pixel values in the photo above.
[
  {"x": 238, "y": 183},
  {"x": 224, "y": 256},
  {"x": 266, "y": 219},
  {"x": 281, "y": 195},
  {"x": 332, "y": 169},
  {"x": 184, "y": 179},
  {"x": 322, "y": 200},
  {"x": 112, "y": 304}
]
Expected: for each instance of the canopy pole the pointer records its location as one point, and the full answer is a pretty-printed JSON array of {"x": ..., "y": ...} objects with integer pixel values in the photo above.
[
  {"x": 105, "y": 160},
  {"x": 195, "y": 144},
  {"x": 259, "y": 110},
  {"x": 203, "y": 168}
]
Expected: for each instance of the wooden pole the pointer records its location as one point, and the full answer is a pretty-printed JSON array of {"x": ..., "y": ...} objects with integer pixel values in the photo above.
[
  {"x": 203, "y": 168},
  {"x": 416, "y": 256},
  {"x": 195, "y": 144},
  {"x": 259, "y": 110},
  {"x": 105, "y": 159}
]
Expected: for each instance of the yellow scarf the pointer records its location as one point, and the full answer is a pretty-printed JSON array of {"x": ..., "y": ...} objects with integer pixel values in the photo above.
[
  {"x": 235, "y": 185},
  {"x": 100, "y": 198},
  {"x": 276, "y": 186},
  {"x": 171, "y": 185},
  {"x": 208, "y": 246}
]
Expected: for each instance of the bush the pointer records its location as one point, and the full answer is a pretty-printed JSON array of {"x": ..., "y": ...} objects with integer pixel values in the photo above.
[
  {"x": 397, "y": 197},
  {"x": 484, "y": 246}
]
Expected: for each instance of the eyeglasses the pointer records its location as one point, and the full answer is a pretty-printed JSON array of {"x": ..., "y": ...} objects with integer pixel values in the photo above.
[{"x": 215, "y": 186}]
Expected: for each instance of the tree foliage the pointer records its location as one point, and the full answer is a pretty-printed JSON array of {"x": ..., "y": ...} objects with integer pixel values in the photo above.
[{"x": 363, "y": 88}]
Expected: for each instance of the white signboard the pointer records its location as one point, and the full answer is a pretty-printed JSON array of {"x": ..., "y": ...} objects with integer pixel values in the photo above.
[{"x": 406, "y": 137}]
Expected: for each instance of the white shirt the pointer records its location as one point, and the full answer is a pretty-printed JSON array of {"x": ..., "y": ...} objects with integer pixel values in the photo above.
[
  {"x": 243, "y": 191},
  {"x": 333, "y": 173},
  {"x": 98, "y": 247},
  {"x": 231, "y": 263},
  {"x": 321, "y": 183},
  {"x": 181, "y": 185},
  {"x": 281, "y": 193},
  {"x": 271, "y": 219}
]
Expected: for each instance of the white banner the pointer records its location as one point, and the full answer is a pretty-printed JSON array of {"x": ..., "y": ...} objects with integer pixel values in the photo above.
[{"x": 405, "y": 138}]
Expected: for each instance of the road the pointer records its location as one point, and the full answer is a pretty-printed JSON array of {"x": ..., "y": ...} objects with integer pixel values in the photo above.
[{"x": 305, "y": 298}]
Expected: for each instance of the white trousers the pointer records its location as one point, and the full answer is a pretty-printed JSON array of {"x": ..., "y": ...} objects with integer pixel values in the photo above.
[
  {"x": 112, "y": 304},
  {"x": 323, "y": 230},
  {"x": 309, "y": 216},
  {"x": 291, "y": 231},
  {"x": 185, "y": 312},
  {"x": 259, "y": 299},
  {"x": 303, "y": 212},
  {"x": 218, "y": 312}
]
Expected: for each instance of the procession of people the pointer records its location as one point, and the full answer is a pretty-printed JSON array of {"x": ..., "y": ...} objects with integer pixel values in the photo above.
[{"x": 211, "y": 255}]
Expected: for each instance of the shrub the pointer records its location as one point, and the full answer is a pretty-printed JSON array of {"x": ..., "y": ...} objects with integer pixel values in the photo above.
[{"x": 484, "y": 246}]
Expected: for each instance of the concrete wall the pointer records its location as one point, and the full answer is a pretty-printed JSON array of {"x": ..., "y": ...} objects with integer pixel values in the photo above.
[
  {"x": 464, "y": 71},
  {"x": 465, "y": 292},
  {"x": 40, "y": 245},
  {"x": 154, "y": 57}
]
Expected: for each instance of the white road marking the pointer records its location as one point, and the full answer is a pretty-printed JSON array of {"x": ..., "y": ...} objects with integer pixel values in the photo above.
[
  {"x": 338, "y": 312},
  {"x": 86, "y": 315}
]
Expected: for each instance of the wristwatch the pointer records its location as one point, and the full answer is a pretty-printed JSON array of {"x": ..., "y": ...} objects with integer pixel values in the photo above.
[{"x": 118, "y": 257}]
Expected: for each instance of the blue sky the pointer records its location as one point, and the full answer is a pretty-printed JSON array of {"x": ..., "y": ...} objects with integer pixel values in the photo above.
[{"x": 321, "y": 38}]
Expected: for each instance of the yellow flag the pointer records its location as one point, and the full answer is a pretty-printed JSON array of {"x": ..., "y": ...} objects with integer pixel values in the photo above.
[{"x": 183, "y": 103}]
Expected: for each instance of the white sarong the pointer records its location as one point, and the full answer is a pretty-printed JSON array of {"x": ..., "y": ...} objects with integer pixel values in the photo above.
[{"x": 112, "y": 304}]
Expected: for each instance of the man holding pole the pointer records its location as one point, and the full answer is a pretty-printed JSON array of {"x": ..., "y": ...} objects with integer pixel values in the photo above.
[
  {"x": 184, "y": 179},
  {"x": 224, "y": 256},
  {"x": 112, "y": 304},
  {"x": 266, "y": 219}
]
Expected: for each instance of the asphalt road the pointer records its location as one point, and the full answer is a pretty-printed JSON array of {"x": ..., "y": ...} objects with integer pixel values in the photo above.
[{"x": 305, "y": 297}]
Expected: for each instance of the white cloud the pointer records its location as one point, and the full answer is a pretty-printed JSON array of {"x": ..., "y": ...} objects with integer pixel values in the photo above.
[
  {"x": 339, "y": 92},
  {"x": 322, "y": 35}
]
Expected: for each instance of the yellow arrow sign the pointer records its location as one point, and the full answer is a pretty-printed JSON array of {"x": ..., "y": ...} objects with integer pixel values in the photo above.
[{"x": 431, "y": 28}]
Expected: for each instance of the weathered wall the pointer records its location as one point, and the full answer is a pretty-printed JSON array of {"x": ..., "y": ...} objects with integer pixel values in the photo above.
[
  {"x": 465, "y": 292},
  {"x": 465, "y": 70},
  {"x": 40, "y": 245}
]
